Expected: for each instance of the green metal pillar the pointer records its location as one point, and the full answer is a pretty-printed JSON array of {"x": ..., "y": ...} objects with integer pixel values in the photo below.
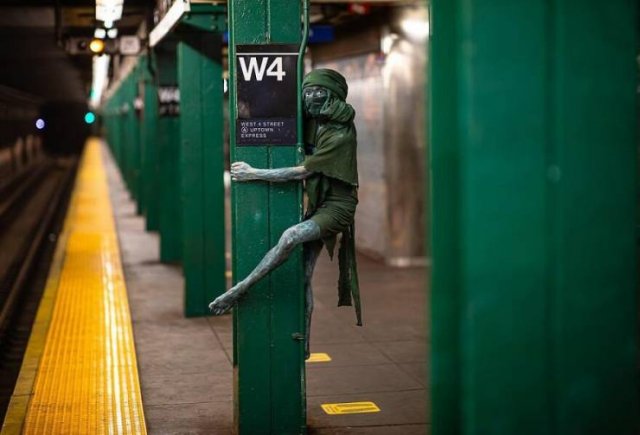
[
  {"x": 129, "y": 142},
  {"x": 149, "y": 139},
  {"x": 533, "y": 158},
  {"x": 138, "y": 83},
  {"x": 202, "y": 148},
  {"x": 169, "y": 154},
  {"x": 121, "y": 140},
  {"x": 107, "y": 122},
  {"x": 269, "y": 370},
  {"x": 113, "y": 122},
  {"x": 133, "y": 123},
  {"x": 118, "y": 133}
]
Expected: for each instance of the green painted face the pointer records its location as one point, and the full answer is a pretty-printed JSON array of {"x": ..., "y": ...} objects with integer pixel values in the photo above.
[{"x": 314, "y": 98}]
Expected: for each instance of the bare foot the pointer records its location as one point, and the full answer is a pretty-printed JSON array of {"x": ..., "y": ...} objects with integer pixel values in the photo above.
[{"x": 223, "y": 303}]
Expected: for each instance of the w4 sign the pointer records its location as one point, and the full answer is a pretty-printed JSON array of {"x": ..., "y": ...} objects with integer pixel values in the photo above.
[
  {"x": 251, "y": 70},
  {"x": 266, "y": 94}
]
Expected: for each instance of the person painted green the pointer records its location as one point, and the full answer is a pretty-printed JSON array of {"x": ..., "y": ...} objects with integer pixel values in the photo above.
[{"x": 330, "y": 173}]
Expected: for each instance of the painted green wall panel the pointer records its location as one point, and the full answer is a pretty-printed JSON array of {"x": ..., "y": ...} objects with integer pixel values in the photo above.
[{"x": 533, "y": 166}]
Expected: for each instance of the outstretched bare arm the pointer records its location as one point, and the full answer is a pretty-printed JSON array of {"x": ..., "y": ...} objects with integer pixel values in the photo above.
[{"x": 241, "y": 171}]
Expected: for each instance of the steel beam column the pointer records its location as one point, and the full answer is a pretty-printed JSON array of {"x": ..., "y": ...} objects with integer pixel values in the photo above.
[
  {"x": 131, "y": 134},
  {"x": 202, "y": 147},
  {"x": 140, "y": 74},
  {"x": 269, "y": 321},
  {"x": 533, "y": 157},
  {"x": 122, "y": 137},
  {"x": 169, "y": 154},
  {"x": 135, "y": 137},
  {"x": 149, "y": 127}
]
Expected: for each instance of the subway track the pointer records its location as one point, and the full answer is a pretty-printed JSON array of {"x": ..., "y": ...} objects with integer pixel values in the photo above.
[{"x": 32, "y": 210}]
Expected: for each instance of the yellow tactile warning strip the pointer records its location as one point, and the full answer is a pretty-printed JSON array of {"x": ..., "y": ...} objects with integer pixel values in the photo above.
[
  {"x": 350, "y": 408},
  {"x": 87, "y": 380},
  {"x": 319, "y": 357}
]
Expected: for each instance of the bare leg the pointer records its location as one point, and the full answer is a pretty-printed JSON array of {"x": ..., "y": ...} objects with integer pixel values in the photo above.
[
  {"x": 311, "y": 252},
  {"x": 292, "y": 237}
]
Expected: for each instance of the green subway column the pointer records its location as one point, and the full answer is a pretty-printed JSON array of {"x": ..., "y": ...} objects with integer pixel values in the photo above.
[
  {"x": 138, "y": 76},
  {"x": 115, "y": 128},
  {"x": 269, "y": 372},
  {"x": 202, "y": 156},
  {"x": 533, "y": 164},
  {"x": 120, "y": 110},
  {"x": 129, "y": 144},
  {"x": 134, "y": 136},
  {"x": 126, "y": 132},
  {"x": 105, "y": 114},
  {"x": 112, "y": 126},
  {"x": 113, "y": 101},
  {"x": 139, "y": 105},
  {"x": 149, "y": 137},
  {"x": 169, "y": 154},
  {"x": 118, "y": 133}
]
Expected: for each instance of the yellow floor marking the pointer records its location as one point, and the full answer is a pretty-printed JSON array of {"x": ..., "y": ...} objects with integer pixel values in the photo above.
[
  {"x": 350, "y": 408},
  {"x": 87, "y": 378},
  {"x": 319, "y": 357}
]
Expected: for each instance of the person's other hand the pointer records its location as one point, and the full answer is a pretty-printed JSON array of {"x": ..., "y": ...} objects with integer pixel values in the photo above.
[{"x": 241, "y": 171}]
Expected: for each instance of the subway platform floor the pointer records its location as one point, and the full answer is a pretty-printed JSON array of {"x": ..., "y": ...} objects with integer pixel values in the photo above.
[{"x": 185, "y": 364}]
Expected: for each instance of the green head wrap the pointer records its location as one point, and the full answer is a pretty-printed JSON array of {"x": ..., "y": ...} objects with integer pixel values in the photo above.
[{"x": 327, "y": 78}]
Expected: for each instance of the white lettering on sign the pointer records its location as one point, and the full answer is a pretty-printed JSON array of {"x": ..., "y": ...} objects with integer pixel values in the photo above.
[
  {"x": 275, "y": 69},
  {"x": 169, "y": 94},
  {"x": 258, "y": 129},
  {"x": 169, "y": 99}
]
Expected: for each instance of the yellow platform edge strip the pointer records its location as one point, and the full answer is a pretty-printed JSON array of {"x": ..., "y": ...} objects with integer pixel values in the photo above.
[{"x": 79, "y": 374}]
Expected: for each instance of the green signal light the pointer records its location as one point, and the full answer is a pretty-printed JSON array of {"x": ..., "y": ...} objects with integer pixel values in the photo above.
[{"x": 89, "y": 118}]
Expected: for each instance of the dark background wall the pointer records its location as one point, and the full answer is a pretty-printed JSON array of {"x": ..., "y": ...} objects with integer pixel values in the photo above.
[
  {"x": 18, "y": 112},
  {"x": 65, "y": 131}
]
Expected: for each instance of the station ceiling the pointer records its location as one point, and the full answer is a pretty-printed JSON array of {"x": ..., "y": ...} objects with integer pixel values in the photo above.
[
  {"x": 33, "y": 33},
  {"x": 32, "y": 54}
]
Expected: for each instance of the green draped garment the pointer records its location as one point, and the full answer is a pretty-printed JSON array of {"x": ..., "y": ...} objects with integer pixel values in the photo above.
[{"x": 332, "y": 191}]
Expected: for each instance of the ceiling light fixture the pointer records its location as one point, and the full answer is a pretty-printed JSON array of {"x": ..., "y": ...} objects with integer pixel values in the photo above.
[
  {"x": 100, "y": 79},
  {"x": 109, "y": 10},
  {"x": 96, "y": 46},
  {"x": 415, "y": 27}
]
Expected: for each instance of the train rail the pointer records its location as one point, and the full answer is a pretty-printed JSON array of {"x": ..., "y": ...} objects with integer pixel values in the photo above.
[{"x": 32, "y": 206}]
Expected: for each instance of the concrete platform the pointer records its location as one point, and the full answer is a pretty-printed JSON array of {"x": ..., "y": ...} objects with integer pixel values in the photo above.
[{"x": 185, "y": 364}]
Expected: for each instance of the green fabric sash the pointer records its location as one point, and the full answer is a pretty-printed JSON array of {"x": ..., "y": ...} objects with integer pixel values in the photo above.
[{"x": 348, "y": 285}]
